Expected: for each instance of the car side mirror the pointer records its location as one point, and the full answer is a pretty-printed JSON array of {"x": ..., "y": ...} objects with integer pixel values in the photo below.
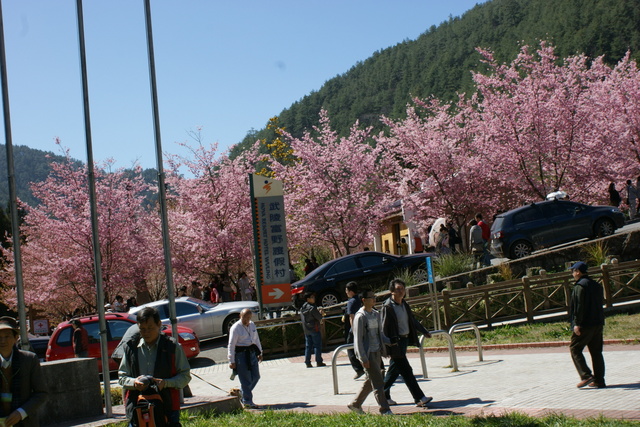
[{"x": 200, "y": 309}]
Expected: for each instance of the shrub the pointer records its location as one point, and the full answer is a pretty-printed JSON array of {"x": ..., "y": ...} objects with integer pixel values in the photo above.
[
  {"x": 452, "y": 264},
  {"x": 116, "y": 395},
  {"x": 597, "y": 253}
]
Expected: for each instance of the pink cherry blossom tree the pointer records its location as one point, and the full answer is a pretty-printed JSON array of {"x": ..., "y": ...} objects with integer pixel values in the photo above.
[
  {"x": 336, "y": 189},
  {"x": 437, "y": 169},
  {"x": 210, "y": 212},
  {"x": 535, "y": 128},
  {"x": 57, "y": 255},
  {"x": 616, "y": 99}
]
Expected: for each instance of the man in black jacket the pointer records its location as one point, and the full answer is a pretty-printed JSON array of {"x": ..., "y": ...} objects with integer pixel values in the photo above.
[
  {"x": 402, "y": 329},
  {"x": 587, "y": 321}
]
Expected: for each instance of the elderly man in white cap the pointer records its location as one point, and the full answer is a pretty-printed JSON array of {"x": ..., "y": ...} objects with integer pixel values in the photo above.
[{"x": 22, "y": 389}]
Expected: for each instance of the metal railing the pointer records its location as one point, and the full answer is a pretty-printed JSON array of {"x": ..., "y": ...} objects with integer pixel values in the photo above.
[
  {"x": 334, "y": 367},
  {"x": 452, "y": 351},
  {"x": 466, "y": 327}
]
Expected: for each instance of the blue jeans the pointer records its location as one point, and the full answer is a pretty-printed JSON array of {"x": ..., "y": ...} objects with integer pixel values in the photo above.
[
  {"x": 248, "y": 374},
  {"x": 313, "y": 342}
]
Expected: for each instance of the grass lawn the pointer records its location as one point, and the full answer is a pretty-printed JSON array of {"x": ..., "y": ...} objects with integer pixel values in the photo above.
[
  {"x": 620, "y": 326},
  {"x": 289, "y": 419}
]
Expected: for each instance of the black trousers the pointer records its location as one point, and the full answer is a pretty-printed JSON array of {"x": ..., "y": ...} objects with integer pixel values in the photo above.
[
  {"x": 399, "y": 366},
  {"x": 590, "y": 337},
  {"x": 355, "y": 363}
]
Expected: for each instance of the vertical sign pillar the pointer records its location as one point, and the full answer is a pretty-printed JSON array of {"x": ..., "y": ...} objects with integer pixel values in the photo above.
[{"x": 273, "y": 282}]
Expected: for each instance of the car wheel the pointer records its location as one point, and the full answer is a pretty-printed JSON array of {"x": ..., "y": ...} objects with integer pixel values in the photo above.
[
  {"x": 420, "y": 276},
  {"x": 329, "y": 298},
  {"x": 521, "y": 249},
  {"x": 229, "y": 321},
  {"x": 604, "y": 227}
]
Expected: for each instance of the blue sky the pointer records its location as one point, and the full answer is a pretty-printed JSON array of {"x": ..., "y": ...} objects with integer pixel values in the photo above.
[{"x": 224, "y": 66}]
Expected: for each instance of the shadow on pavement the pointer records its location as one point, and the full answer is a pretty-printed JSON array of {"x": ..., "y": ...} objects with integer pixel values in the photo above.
[
  {"x": 289, "y": 405},
  {"x": 632, "y": 386},
  {"x": 201, "y": 362},
  {"x": 437, "y": 404}
]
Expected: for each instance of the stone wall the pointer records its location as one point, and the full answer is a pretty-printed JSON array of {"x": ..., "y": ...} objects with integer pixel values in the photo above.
[{"x": 74, "y": 390}]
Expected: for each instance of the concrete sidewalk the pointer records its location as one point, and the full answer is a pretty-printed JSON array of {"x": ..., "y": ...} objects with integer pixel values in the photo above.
[{"x": 534, "y": 381}]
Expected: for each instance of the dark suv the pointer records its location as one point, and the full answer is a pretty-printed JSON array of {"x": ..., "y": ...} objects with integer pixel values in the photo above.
[
  {"x": 369, "y": 268},
  {"x": 518, "y": 232}
]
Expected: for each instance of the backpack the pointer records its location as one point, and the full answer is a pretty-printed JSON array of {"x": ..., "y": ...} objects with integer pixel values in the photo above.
[{"x": 150, "y": 410}]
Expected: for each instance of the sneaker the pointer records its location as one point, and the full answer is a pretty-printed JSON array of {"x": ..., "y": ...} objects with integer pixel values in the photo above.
[
  {"x": 585, "y": 383},
  {"x": 387, "y": 412},
  {"x": 321, "y": 364},
  {"x": 358, "y": 375},
  {"x": 422, "y": 403},
  {"x": 250, "y": 405},
  {"x": 355, "y": 408},
  {"x": 309, "y": 365},
  {"x": 391, "y": 402}
]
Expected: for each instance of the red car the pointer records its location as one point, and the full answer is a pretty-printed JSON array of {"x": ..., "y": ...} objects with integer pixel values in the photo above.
[{"x": 61, "y": 346}]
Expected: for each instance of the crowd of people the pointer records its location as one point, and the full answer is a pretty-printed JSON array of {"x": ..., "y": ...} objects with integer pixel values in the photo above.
[
  {"x": 154, "y": 367},
  {"x": 221, "y": 289},
  {"x": 632, "y": 192}
]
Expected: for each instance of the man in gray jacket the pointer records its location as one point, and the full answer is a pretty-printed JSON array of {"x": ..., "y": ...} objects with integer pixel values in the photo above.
[
  {"x": 369, "y": 342},
  {"x": 311, "y": 316}
]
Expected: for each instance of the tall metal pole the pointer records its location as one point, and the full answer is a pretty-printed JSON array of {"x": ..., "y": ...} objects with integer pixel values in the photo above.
[
  {"x": 104, "y": 351},
  {"x": 161, "y": 186},
  {"x": 15, "y": 225}
]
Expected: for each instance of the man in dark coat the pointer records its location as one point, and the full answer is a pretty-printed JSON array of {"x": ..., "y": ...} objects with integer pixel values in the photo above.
[
  {"x": 587, "y": 321},
  {"x": 22, "y": 385},
  {"x": 402, "y": 329}
]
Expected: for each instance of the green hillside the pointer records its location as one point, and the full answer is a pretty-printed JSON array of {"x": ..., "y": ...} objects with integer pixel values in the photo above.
[
  {"x": 30, "y": 165},
  {"x": 440, "y": 61}
]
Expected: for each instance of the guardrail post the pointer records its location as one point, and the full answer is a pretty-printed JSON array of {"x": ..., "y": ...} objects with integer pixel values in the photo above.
[
  {"x": 284, "y": 338},
  {"x": 567, "y": 293},
  {"x": 606, "y": 284},
  {"x": 446, "y": 307},
  {"x": 334, "y": 368},
  {"x": 487, "y": 309},
  {"x": 528, "y": 305}
]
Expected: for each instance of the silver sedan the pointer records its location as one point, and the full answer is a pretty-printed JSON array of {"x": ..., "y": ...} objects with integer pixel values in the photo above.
[{"x": 208, "y": 320}]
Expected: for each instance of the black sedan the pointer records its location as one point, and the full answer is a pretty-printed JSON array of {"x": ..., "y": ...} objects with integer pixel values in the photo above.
[
  {"x": 371, "y": 269},
  {"x": 518, "y": 232}
]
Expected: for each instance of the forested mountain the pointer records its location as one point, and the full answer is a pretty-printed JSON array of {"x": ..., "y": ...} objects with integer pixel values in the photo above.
[
  {"x": 440, "y": 61},
  {"x": 31, "y": 165}
]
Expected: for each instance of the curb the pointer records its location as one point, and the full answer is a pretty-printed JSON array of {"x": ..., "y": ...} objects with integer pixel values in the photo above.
[{"x": 512, "y": 346}]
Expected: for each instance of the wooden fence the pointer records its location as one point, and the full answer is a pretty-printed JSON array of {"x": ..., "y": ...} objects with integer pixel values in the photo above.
[
  {"x": 521, "y": 299},
  {"x": 530, "y": 297}
]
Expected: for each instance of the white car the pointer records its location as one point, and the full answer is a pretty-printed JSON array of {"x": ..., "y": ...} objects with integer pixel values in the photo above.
[{"x": 208, "y": 320}]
